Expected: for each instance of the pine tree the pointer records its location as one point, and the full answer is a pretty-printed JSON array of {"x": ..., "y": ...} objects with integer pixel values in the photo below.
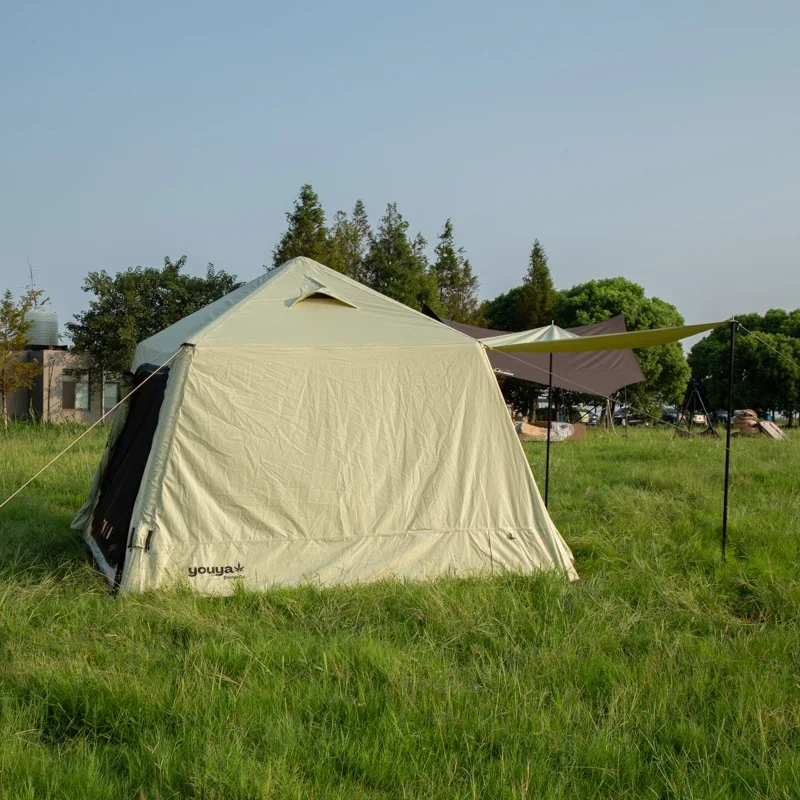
[
  {"x": 457, "y": 285},
  {"x": 538, "y": 301},
  {"x": 349, "y": 241},
  {"x": 307, "y": 234},
  {"x": 396, "y": 266}
]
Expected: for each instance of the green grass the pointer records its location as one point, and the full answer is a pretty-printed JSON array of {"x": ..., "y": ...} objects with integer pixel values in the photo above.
[{"x": 662, "y": 673}]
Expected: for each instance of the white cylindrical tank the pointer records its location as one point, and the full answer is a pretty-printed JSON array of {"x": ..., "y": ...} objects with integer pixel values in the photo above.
[{"x": 44, "y": 331}]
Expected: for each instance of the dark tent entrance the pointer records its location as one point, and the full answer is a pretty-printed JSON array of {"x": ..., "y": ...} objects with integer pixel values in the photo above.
[{"x": 120, "y": 486}]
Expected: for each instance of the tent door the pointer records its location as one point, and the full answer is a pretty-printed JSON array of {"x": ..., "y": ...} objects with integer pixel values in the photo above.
[{"x": 112, "y": 516}]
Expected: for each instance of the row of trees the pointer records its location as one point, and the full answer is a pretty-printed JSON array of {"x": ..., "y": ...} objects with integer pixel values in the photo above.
[
  {"x": 129, "y": 306},
  {"x": 536, "y": 302},
  {"x": 388, "y": 259},
  {"x": 392, "y": 262}
]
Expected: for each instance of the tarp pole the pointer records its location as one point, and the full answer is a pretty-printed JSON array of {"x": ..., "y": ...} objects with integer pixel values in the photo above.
[
  {"x": 728, "y": 441},
  {"x": 549, "y": 426}
]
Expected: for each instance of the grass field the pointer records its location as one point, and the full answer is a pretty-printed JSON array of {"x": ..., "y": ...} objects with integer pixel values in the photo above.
[{"x": 662, "y": 673}]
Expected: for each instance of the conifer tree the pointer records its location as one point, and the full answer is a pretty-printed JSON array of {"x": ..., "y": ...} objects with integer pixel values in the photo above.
[
  {"x": 457, "y": 284},
  {"x": 349, "y": 241},
  {"x": 538, "y": 301},
  {"x": 396, "y": 266},
  {"x": 306, "y": 234}
]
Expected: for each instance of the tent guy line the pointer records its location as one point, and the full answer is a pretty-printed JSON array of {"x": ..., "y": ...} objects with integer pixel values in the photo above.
[
  {"x": 88, "y": 430},
  {"x": 767, "y": 344}
]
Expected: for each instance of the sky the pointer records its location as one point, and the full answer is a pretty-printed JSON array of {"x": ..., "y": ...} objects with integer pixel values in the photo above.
[{"x": 657, "y": 141}]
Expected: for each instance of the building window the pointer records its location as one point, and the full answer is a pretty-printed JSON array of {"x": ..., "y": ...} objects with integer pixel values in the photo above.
[
  {"x": 82, "y": 395},
  {"x": 68, "y": 394},
  {"x": 110, "y": 395}
]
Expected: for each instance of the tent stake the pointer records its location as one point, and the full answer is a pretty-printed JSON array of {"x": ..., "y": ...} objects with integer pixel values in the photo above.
[
  {"x": 728, "y": 441},
  {"x": 549, "y": 426}
]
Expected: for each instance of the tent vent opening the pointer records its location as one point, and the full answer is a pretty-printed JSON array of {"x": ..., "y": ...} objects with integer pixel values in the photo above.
[{"x": 321, "y": 294}]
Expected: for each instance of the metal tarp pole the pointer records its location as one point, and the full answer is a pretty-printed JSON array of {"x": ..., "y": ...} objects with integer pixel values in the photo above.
[
  {"x": 728, "y": 440},
  {"x": 549, "y": 426}
]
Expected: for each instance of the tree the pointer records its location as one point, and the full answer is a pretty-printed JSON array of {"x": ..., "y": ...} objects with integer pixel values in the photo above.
[
  {"x": 14, "y": 330},
  {"x": 665, "y": 369},
  {"x": 502, "y": 312},
  {"x": 531, "y": 305},
  {"x": 457, "y": 284},
  {"x": 307, "y": 234},
  {"x": 538, "y": 299},
  {"x": 137, "y": 303},
  {"x": 396, "y": 266},
  {"x": 349, "y": 240},
  {"x": 763, "y": 380}
]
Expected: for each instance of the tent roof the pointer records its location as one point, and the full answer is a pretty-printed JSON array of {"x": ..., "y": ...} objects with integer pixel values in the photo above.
[
  {"x": 548, "y": 333},
  {"x": 300, "y": 304}
]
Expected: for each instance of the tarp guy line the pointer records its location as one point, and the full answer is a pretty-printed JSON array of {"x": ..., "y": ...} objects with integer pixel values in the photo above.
[{"x": 94, "y": 425}]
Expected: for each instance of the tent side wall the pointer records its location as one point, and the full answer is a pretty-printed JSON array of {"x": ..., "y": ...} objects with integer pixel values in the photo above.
[{"x": 339, "y": 464}]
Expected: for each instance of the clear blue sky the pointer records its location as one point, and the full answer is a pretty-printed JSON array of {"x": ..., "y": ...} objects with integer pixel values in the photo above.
[{"x": 658, "y": 141}]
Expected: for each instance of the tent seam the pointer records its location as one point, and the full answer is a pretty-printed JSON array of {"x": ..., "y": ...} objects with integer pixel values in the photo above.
[{"x": 215, "y": 323}]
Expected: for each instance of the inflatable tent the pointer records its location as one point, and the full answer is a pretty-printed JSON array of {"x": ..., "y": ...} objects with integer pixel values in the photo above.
[{"x": 307, "y": 428}]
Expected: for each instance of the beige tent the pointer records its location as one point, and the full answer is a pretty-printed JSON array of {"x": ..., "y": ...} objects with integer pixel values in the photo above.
[{"x": 307, "y": 428}]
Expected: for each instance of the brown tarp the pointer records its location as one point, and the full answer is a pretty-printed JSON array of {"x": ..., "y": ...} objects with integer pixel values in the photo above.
[{"x": 600, "y": 372}]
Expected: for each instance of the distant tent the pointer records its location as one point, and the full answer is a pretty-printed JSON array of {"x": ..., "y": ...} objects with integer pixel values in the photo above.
[{"x": 307, "y": 428}]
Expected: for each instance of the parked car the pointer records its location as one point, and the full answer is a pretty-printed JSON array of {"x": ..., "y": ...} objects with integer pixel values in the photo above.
[
  {"x": 624, "y": 416},
  {"x": 669, "y": 415}
]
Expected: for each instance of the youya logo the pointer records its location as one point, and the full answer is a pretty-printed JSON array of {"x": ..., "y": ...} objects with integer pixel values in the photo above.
[{"x": 219, "y": 572}]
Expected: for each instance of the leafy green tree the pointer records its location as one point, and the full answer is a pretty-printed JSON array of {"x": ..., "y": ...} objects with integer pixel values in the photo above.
[
  {"x": 502, "y": 312},
  {"x": 396, "y": 266},
  {"x": 349, "y": 242},
  {"x": 139, "y": 302},
  {"x": 665, "y": 369},
  {"x": 14, "y": 330},
  {"x": 306, "y": 234},
  {"x": 763, "y": 379},
  {"x": 456, "y": 282},
  {"x": 538, "y": 299}
]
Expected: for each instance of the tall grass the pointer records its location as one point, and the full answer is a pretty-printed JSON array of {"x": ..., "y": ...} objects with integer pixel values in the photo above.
[{"x": 662, "y": 673}]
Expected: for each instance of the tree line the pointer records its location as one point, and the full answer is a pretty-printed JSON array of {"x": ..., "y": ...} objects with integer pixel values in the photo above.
[
  {"x": 387, "y": 259},
  {"x": 126, "y": 307}
]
